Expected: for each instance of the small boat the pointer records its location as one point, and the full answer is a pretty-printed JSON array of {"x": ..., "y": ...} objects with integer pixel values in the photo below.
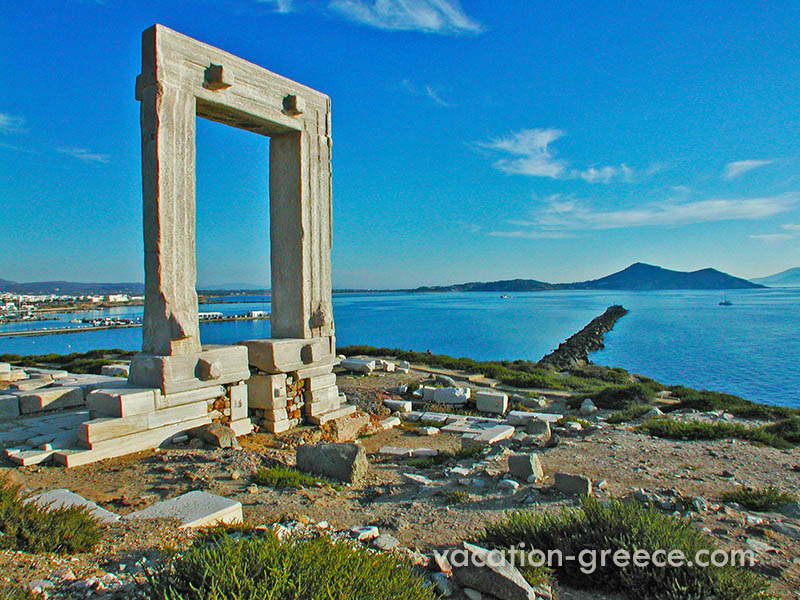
[
  {"x": 726, "y": 302},
  {"x": 504, "y": 296}
]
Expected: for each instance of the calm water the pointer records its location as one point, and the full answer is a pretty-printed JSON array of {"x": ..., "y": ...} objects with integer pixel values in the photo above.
[{"x": 750, "y": 348}]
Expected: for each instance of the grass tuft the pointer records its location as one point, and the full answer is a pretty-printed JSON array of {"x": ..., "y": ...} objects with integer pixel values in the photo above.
[
  {"x": 706, "y": 400},
  {"x": 286, "y": 477},
  {"x": 454, "y": 496},
  {"x": 636, "y": 411},
  {"x": 30, "y": 528},
  {"x": 597, "y": 527},
  {"x": 699, "y": 430},
  {"x": 229, "y": 568},
  {"x": 759, "y": 499}
]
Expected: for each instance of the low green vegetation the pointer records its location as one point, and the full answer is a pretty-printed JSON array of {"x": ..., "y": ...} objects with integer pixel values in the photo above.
[
  {"x": 9, "y": 591},
  {"x": 223, "y": 567},
  {"x": 759, "y": 499},
  {"x": 517, "y": 373},
  {"x": 699, "y": 430},
  {"x": 30, "y": 528},
  {"x": 77, "y": 362},
  {"x": 444, "y": 456},
  {"x": 706, "y": 400},
  {"x": 788, "y": 429},
  {"x": 633, "y": 412},
  {"x": 572, "y": 419},
  {"x": 619, "y": 397},
  {"x": 597, "y": 527},
  {"x": 454, "y": 496},
  {"x": 286, "y": 477}
]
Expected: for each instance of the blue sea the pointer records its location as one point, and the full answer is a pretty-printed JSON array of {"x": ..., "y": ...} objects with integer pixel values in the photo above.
[{"x": 677, "y": 337}]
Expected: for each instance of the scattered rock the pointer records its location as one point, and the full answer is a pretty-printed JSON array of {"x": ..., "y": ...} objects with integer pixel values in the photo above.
[
  {"x": 525, "y": 465},
  {"x": 573, "y": 484},
  {"x": 488, "y": 571},
  {"x": 508, "y": 485},
  {"x": 442, "y": 584},
  {"x": 385, "y": 542},
  {"x": 216, "y": 434},
  {"x": 445, "y": 380},
  {"x": 365, "y": 534},
  {"x": 428, "y": 430},
  {"x": 342, "y": 461},
  {"x": 588, "y": 407}
]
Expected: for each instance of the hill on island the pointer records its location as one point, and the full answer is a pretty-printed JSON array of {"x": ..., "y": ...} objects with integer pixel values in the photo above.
[
  {"x": 639, "y": 276},
  {"x": 787, "y": 278},
  {"x": 70, "y": 288}
]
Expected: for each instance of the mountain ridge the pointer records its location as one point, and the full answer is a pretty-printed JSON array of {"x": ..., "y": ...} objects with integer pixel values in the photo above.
[{"x": 787, "y": 278}]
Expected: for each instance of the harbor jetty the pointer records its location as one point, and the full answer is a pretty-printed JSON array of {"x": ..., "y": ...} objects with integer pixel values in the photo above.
[{"x": 576, "y": 349}]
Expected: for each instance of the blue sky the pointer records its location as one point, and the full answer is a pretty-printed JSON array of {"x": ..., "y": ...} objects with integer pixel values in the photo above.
[{"x": 472, "y": 141}]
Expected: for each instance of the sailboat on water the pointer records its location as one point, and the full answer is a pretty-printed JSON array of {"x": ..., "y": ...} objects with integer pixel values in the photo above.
[{"x": 725, "y": 302}]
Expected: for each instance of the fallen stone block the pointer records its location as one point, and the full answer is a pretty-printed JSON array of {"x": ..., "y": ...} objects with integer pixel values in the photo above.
[
  {"x": 451, "y": 395},
  {"x": 461, "y": 428},
  {"x": 389, "y": 423},
  {"x": 538, "y": 428},
  {"x": 394, "y": 451},
  {"x": 358, "y": 365},
  {"x": 347, "y": 428},
  {"x": 573, "y": 484},
  {"x": 33, "y": 383},
  {"x": 50, "y": 399},
  {"x": 117, "y": 370},
  {"x": 42, "y": 372},
  {"x": 489, "y": 572},
  {"x": 342, "y": 411},
  {"x": 434, "y": 417},
  {"x": 428, "y": 392},
  {"x": 216, "y": 434},
  {"x": 428, "y": 430},
  {"x": 398, "y": 405},
  {"x": 418, "y": 479},
  {"x": 588, "y": 407},
  {"x": 342, "y": 461},
  {"x": 525, "y": 466},
  {"x": 492, "y": 402},
  {"x": 194, "y": 509},
  {"x": 62, "y": 498},
  {"x": 9, "y": 406},
  {"x": 495, "y": 434},
  {"x": 520, "y": 417},
  {"x": 88, "y": 382},
  {"x": 412, "y": 416},
  {"x": 424, "y": 452}
]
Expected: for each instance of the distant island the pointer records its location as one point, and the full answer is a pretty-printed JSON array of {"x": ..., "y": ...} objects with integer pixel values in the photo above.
[
  {"x": 638, "y": 276},
  {"x": 787, "y": 278}
]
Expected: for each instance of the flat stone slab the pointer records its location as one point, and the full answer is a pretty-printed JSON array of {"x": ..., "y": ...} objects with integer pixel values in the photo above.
[
  {"x": 63, "y": 498},
  {"x": 194, "y": 509}
]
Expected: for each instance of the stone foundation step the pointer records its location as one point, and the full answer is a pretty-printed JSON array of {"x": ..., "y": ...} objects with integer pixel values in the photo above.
[
  {"x": 342, "y": 411},
  {"x": 194, "y": 509}
]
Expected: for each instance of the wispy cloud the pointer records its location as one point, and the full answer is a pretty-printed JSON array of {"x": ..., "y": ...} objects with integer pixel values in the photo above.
[
  {"x": 528, "y": 152},
  {"x": 84, "y": 154},
  {"x": 11, "y": 123},
  {"x": 793, "y": 230},
  {"x": 429, "y": 16},
  {"x": 428, "y": 91},
  {"x": 281, "y": 6},
  {"x": 560, "y": 215},
  {"x": 740, "y": 167}
]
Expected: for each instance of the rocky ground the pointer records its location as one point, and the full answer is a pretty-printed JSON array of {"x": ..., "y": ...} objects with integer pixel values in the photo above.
[{"x": 418, "y": 512}]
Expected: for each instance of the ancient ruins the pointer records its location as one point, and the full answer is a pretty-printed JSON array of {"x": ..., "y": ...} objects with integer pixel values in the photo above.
[{"x": 176, "y": 384}]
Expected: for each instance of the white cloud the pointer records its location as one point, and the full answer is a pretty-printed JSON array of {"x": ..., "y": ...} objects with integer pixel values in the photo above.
[
  {"x": 84, "y": 154},
  {"x": 773, "y": 237},
  {"x": 428, "y": 91},
  {"x": 10, "y": 123},
  {"x": 740, "y": 167},
  {"x": 429, "y": 16},
  {"x": 791, "y": 227},
  {"x": 281, "y": 6},
  {"x": 531, "y": 155},
  {"x": 560, "y": 215}
]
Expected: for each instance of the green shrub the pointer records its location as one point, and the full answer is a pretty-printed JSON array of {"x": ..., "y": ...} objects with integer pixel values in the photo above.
[
  {"x": 454, "y": 496},
  {"x": 628, "y": 526},
  {"x": 759, "y": 499},
  {"x": 619, "y": 398},
  {"x": 255, "y": 568},
  {"x": 788, "y": 429},
  {"x": 706, "y": 400},
  {"x": 30, "y": 528},
  {"x": 631, "y": 413},
  {"x": 76, "y": 362},
  {"x": 563, "y": 420},
  {"x": 699, "y": 430},
  {"x": 285, "y": 477}
]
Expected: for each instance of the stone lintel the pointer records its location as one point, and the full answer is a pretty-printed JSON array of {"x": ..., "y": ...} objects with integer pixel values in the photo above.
[{"x": 286, "y": 355}]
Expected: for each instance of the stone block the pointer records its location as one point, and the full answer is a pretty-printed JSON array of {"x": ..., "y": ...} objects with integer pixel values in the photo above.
[
  {"x": 267, "y": 392},
  {"x": 492, "y": 402},
  {"x": 42, "y": 372},
  {"x": 9, "y": 406},
  {"x": 50, "y": 399},
  {"x": 88, "y": 382},
  {"x": 358, "y": 365},
  {"x": 241, "y": 427},
  {"x": 284, "y": 355},
  {"x": 412, "y": 416},
  {"x": 239, "y": 403},
  {"x": 5, "y": 369},
  {"x": 277, "y": 426},
  {"x": 342, "y": 411},
  {"x": 525, "y": 466},
  {"x": 190, "y": 397},
  {"x": 451, "y": 395},
  {"x": 573, "y": 484},
  {"x": 328, "y": 394},
  {"x": 342, "y": 461},
  {"x": 116, "y": 370},
  {"x": 389, "y": 423},
  {"x": 123, "y": 401},
  {"x": 394, "y": 451},
  {"x": 495, "y": 434},
  {"x": 216, "y": 435},
  {"x": 184, "y": 372},
  {"x": 279, "y": 414},
  {"x": 323, "y": 368},
  {"x": 32, "y": 383},
  {"x": 489, "y": 572},
  {"x": 428, "y": 393},
  {"x": 61, "y": 498},
  {"x": 347, "y": 428},
  {"x": 192, "y": 510},
  {"x": 320, "y": 382},
  {"x": 398, "y": 405},
  {"x": 538, "y": 428},
  {"x": 520, "y": 417}
]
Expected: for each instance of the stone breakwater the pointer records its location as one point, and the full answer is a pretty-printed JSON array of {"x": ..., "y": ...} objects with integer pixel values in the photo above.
[{"x": 576, "y": 349}]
